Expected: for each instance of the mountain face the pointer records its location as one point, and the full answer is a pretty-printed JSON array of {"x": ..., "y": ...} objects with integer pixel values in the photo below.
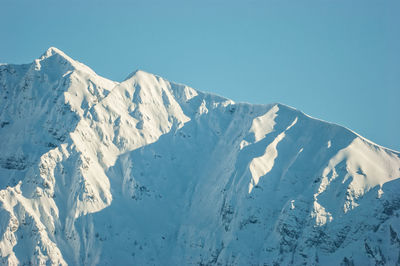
[{"x": 149, "y": 172}]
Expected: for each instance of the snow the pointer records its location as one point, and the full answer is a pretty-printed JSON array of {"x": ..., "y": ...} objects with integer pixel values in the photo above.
[
  {"x": 147, "y": 171},
  {"x": 263, "y": 125},
  {"x": 260, "y": 166}
]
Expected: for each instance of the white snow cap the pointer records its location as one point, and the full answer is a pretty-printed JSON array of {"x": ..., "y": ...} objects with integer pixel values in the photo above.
[
  {"x": 148, "y": 171},
  {"x": 55, "y": 51}
]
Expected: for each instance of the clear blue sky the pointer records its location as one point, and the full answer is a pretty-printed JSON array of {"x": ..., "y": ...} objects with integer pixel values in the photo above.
[{"x": 337, "y": 60}]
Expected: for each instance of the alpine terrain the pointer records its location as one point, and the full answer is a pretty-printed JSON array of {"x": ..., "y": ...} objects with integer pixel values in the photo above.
[{"x": 150, "y": 172}]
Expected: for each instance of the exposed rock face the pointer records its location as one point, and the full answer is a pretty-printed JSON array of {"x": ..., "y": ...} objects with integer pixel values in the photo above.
[{"x": 151, "y": 172}]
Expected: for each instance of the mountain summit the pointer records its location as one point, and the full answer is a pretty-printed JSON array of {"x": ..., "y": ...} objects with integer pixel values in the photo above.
[
  {"x": 150, "y": 172},
  {"x": 52, "y": 51}
]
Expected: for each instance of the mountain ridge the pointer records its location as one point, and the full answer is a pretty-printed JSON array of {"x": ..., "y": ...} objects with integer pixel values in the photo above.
[
  {"x": 148, "y": 171},
  {"x": 51, "y": 51}
]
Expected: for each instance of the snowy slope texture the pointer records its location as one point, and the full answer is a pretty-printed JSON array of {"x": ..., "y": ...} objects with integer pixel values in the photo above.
[{"x": 149, "y": 172}]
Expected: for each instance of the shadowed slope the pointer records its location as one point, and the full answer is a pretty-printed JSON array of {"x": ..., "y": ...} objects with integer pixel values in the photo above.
[{"x": 150, "y": 172}]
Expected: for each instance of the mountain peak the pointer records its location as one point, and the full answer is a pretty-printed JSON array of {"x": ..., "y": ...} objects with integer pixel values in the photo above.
[
  {"x": 137, "y": 72},
  {"x": 54, "y": 51},
  {"x": 55, "y": 57}
]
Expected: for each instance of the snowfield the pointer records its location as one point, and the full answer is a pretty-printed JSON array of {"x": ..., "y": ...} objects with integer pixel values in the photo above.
[{"x": 150, "y": 172}]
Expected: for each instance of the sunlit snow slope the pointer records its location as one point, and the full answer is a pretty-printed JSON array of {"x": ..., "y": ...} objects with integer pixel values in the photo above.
[{"x": 150, "y": 172}]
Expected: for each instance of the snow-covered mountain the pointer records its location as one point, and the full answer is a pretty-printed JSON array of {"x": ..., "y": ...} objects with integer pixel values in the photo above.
[{"x": 150, "y": 172}]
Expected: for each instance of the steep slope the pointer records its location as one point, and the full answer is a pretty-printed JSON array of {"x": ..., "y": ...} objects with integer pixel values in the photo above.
[{"x": 150, "y": 172}]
